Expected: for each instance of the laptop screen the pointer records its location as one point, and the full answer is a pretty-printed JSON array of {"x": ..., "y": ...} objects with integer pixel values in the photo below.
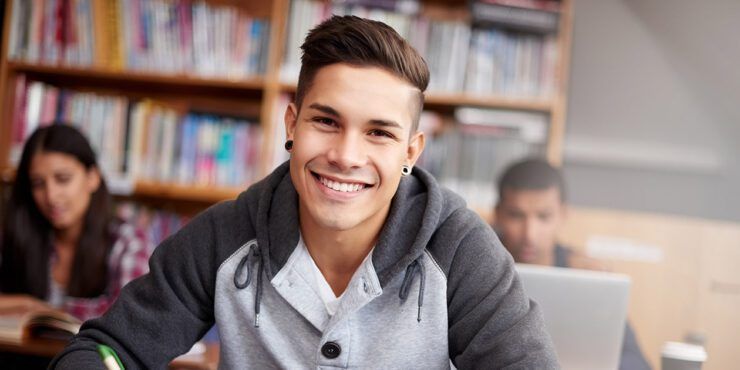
[{"x": 585, "y": 313}]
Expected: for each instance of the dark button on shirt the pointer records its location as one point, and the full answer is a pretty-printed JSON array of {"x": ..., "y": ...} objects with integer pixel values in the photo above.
[{"x": 331, "y": 350}]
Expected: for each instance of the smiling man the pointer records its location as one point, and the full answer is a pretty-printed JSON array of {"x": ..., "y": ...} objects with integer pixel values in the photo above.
[{"x": 346, "y": 256}]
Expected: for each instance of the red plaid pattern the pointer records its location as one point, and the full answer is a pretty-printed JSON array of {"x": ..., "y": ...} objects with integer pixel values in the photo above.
[{"x": 128, "y": 260}]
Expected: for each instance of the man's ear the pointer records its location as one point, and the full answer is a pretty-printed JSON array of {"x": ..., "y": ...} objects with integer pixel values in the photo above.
[
  {"x": 415, "y": 148},
  {"x": 291, "y": 118}
]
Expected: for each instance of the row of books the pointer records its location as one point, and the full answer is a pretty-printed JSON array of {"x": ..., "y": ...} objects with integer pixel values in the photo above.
[
  {"x": 510, "y": 63},
  {"x": 468, "y": 152},
  {"x": 163, "y": 36},
  {"x": 461, "y": 58},
  {"x": 143, "y": 139}
]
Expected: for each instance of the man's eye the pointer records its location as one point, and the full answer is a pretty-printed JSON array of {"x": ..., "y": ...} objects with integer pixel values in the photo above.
[
  {"x": 381, "y": 133},
  {"x": 324, "y": 120}
]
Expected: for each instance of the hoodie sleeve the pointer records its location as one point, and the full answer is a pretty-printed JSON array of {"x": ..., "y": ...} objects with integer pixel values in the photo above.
[
  {"x": 159, "y": 315},
  {"x": 492, "y": 323}
]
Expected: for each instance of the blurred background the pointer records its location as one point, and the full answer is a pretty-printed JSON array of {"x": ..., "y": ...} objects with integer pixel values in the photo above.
[{"x": 635, "y": 100}]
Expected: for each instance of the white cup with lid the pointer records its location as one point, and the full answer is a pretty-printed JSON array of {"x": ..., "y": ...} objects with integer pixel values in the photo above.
[{"x": 682, "y": 356}]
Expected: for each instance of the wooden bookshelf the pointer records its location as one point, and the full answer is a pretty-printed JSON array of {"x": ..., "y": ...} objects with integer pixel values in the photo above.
[
  {"x": 112, "y": 77},
  {"x": 192, "y": 193},
  {"x": 258, "y": 95}
]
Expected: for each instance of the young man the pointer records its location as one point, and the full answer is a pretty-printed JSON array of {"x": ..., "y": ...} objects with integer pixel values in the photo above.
[
  {"x": 342, "y": 257},
  {"x": 530, "y": 211}
]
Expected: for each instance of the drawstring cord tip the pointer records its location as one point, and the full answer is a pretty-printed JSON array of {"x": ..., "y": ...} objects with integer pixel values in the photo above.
[{"x": 257, "y": 320}]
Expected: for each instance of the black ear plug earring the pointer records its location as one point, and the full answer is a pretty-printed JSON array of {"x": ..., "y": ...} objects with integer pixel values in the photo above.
[
  {"x": 405, "y": 170},
  {"x": 289, "y": 145}
]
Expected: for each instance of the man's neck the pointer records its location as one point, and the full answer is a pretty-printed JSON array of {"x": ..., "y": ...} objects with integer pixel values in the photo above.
[{"x": 338, "y": 253}]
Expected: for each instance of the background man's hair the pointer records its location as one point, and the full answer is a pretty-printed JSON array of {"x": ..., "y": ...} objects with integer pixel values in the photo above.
[
  {"x": 531, "y": 174},
  {"x": 363, "y": 43}
]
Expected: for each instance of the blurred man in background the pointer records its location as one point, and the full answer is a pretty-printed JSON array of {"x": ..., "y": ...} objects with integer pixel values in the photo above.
[{"x": 528, "y": 216}]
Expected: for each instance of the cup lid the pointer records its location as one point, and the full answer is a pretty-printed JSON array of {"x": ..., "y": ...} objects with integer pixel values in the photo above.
[{"x": 684, "y": 351}]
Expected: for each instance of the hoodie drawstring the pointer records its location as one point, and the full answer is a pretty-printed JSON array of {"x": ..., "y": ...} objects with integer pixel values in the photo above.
[
  {"x": 411, "y": 270},
  {"x": 254, "y": 251},
  {"x": 415, "y": 267}
]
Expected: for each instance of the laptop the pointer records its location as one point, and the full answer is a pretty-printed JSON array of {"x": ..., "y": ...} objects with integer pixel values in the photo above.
[{"x": 585, "y": 313}]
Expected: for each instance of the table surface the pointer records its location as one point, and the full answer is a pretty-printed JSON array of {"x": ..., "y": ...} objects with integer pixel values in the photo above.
[{"x": 49, "y": 348}]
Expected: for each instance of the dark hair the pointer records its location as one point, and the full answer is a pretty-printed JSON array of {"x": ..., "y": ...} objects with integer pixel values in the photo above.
[
  {"x": 531, "y": 174},
  {"x": 26, "y": 240},
  {"x": 364, "y": 43}
]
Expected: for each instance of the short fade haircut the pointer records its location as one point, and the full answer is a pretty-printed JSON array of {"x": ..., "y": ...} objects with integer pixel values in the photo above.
[
  {"x": 363, "y": 43},
  {"x": 531, "y": 174}
]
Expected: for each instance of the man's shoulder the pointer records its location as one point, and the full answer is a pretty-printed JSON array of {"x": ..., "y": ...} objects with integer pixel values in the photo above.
[{"x": 463, "y": 233}]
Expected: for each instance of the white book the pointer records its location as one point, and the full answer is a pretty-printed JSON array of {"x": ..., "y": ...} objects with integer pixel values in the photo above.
[
  {"x": 532, "y": 127},
  {"x": 167, "y": 153},
  {"x": 34, "y": 102}
]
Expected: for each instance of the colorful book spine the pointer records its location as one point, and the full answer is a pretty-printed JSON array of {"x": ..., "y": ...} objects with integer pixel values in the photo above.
[{"x": 159, "y": 36}]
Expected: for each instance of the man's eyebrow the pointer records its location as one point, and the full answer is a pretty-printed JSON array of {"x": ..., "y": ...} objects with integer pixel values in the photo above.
[
  {"x": 325, "y": 109},
  {"x": 375, "y": 122},
  {"x": 385, "y": 123}
]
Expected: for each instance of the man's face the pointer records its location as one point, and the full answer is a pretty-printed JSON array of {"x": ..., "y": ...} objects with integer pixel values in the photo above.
[
  {"x": 351, "y": 137},
  {"x": 528, "y": 222}
]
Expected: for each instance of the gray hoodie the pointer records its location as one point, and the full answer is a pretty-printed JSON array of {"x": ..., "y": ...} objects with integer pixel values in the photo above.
[{"x": 439, "y": 287}]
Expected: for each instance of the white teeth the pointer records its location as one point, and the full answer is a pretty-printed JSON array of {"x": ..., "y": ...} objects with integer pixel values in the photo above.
[{"x": 341, "y": 186}]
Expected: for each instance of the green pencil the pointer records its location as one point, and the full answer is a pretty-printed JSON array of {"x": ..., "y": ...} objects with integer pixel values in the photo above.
[{"x": 110, "y": 359}]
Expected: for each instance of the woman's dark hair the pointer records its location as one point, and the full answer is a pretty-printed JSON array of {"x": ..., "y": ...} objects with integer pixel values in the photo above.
[{"x": 27, "y": 234}]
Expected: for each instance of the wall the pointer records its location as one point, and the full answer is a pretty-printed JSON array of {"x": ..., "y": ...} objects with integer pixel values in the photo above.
[
  {"x": 653, "y": 116},
  {"x": 684, "y": 276}
]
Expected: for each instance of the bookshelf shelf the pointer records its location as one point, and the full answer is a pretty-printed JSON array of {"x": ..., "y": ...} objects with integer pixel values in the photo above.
[
  {"x": 161, "y": 190},
  {"x": 116, "y": 77},
  {"x": 193, "y": 193},
  {"x": 540, "y": 105},
  {"x": 463, "y": 99}
]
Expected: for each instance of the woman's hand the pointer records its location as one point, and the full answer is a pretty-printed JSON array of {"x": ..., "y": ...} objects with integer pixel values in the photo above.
[{"x": 20, "y": 303}]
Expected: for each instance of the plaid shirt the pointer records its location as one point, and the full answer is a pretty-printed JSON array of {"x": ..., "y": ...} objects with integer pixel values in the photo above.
[{"x": 128, "y": 260}]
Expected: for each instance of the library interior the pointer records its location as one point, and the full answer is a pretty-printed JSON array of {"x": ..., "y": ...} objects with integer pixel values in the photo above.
[{"x": 599, "y": 131}]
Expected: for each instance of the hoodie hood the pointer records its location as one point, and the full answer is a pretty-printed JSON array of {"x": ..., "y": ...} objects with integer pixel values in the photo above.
[{"x": 418, "y": 208}]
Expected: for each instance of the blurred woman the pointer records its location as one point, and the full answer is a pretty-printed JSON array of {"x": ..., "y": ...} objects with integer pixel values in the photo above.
[{"x": 61, "y": 245}]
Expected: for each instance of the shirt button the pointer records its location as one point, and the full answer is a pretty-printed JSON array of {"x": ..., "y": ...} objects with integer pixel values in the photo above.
[{"x": 331, "y": 350}]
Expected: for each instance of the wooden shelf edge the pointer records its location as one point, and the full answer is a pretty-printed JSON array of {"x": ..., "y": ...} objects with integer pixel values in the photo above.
[
  {"x": 493, "y": 101},
  {"x": 195, "y": 193},
  {"x": 463, "y": 99},
  {"x": 172, "y": 191},
  {"x": 250, "y": 83}
]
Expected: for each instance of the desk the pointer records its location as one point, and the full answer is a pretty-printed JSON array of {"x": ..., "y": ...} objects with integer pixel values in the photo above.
[{"x": 49, "y": 348}]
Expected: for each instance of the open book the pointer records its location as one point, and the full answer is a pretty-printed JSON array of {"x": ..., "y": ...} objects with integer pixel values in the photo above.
[{"x": 49, "y": 324}]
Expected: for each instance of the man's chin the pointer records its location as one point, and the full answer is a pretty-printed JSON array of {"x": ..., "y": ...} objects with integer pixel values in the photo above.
[{"x": 336, "y": 223}]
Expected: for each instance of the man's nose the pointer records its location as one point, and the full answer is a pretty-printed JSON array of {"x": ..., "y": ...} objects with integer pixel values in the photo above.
[{"x": 347, "y": 152}]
